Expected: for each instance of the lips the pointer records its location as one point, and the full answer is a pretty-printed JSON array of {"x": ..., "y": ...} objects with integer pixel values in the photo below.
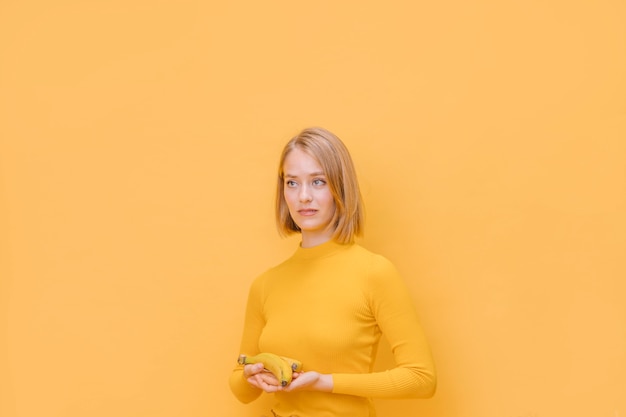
[{"x": 307, "y": 212}]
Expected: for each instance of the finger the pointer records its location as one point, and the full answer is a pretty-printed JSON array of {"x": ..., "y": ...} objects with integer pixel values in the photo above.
[
  {"x": 269, "y": 378},
  {"x": 252, "y": 369},
  {"x": 259, "y": 381}
]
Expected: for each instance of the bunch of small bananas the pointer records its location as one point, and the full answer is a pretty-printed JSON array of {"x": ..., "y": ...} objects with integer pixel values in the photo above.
[{"x": 280, "y": 366}]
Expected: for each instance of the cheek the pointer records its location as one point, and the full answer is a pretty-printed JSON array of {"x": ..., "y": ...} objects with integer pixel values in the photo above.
[
  {"x": 288, "y": 199},
  {"x": 329, "y": 201},
  {"x": 292, "y": 200}
]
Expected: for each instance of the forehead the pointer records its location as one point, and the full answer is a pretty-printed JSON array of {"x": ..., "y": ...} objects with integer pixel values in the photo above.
[{"x": 300, "y": 163}]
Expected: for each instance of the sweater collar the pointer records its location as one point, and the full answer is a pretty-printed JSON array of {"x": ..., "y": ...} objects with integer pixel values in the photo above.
[{"x": 320, "y": 251}]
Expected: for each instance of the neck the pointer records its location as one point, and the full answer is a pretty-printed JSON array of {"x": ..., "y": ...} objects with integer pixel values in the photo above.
[{"x": 313, "y": 239}]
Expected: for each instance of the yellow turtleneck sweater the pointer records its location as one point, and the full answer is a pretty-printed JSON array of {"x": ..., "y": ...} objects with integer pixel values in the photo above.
[{"x": 328, "y": 307}]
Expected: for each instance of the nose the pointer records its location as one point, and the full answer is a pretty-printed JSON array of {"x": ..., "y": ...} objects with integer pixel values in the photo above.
[{"x": 305, "y": 194}]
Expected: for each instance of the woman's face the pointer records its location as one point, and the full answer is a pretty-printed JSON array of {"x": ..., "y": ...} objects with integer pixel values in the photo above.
[{"x": 308, "y": 197}]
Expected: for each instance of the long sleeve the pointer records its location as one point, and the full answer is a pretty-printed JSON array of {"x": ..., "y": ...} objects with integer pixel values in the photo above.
[
  {"x": 253, "y": 326},
  {"x": 414, "y": 375},
  {"x": 328, "y": 306}
]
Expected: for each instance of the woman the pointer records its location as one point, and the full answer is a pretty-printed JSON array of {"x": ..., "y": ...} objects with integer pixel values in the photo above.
[{"x": 330, "y": 302}]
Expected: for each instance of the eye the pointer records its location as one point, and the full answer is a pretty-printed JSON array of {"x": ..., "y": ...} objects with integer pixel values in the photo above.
[
  {"x": 319, "y": 182},
  {"x": 290, "y": 183}
]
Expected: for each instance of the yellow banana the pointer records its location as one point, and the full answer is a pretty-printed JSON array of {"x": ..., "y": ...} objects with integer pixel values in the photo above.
[
  {"x": 295, "y": 364},
  {"x": 281, "y": 368}
]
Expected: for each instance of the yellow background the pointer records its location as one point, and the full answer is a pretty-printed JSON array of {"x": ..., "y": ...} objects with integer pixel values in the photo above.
[{"x": 138, "y": 148}]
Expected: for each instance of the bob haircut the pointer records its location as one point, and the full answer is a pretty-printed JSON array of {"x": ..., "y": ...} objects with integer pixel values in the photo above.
[{"x": 335, "y": 160}]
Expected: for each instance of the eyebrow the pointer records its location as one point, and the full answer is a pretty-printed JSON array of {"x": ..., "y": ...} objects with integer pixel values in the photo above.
[{"x": 313, "y": 174}]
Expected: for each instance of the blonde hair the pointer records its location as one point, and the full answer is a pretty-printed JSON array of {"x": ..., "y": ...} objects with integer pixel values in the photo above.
[{"x": 335, "y": 160}]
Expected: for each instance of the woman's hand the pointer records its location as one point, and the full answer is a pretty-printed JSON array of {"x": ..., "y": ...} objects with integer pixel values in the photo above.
[
  {"x": 257, "y": 376},
  {"x": 310, "y": 381}
]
